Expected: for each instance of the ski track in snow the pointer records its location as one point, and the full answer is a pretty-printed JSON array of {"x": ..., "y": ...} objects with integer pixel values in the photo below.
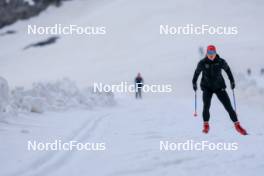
[
  {"x": 55, "y": 159},
  {"x": 132, "y": 131}
]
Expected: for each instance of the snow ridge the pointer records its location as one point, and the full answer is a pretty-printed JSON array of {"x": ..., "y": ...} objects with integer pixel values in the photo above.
[{"x": 51, "y": 96}]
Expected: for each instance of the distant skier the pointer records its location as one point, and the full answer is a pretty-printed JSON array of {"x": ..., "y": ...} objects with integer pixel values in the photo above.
[
  {"x": 139, "y": 85},
  {"x": 213, "y": 83},
  {"x": 262, "y": 71},
  {"x": 249, "y": 72}
]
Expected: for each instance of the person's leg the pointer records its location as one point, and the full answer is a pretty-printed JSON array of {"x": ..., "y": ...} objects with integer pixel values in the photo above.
[
  {"x": 140, "y": 92},
  {"x": 207, "y": 97},
  {"x": 225, "y": 100}
]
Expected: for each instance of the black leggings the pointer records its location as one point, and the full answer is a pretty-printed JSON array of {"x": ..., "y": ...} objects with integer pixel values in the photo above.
[
  {"x": 138, "y": 93},
  {"x": 224, "y": 98}
]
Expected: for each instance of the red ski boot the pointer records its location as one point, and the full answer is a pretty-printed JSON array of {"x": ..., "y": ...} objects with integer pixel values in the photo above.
[
  {"x": 206, "y": 127},
  {"x": 239, "y": 129}
]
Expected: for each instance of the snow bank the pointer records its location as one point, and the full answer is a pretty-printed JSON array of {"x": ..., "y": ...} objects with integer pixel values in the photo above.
[
  {"x": 4, "y": 98},
  {"x": 52, "y": 96}
]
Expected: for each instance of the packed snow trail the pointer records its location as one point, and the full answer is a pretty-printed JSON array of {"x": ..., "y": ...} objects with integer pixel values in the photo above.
[{"x": 132, "y": 132}]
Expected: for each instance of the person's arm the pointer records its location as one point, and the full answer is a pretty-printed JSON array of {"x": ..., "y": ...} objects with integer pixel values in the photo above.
[
  {"x": 229, "y": 74},
  {"x": 197, "y": 72}
]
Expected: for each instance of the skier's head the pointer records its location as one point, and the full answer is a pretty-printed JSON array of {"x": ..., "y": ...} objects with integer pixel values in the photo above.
[
  {"x": 138, "y": 75},
  {"x": 211, "y": 52}
]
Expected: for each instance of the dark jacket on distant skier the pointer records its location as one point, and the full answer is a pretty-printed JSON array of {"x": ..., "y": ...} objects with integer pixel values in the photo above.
[
  {"x": 139, "y": 82},
  {"x": 212, "y": 78}
]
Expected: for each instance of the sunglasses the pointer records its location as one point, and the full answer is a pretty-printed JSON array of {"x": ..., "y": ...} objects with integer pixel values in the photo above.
[{"x": 211, "y": 52}]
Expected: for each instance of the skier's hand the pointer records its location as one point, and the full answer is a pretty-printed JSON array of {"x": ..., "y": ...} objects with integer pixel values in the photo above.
[
  {"x": 233, "y": 85},
  {"x": 195, "y": 87}
]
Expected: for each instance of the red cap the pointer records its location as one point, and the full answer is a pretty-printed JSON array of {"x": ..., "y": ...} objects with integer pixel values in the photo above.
[{"x": 211, "y": 48}]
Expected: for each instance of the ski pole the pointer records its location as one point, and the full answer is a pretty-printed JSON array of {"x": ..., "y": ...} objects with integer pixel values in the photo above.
[
  {"x": 234, "y": 99},
  {"x": 195, "y": 105}
]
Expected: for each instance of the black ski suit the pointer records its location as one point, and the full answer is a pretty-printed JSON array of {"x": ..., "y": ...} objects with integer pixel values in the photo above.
[
  {"x": 139, "y": 85},
  {"x": 213, "y": 82}
]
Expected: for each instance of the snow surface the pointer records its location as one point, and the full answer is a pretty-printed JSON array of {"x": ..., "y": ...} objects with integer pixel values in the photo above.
[{"x": 131, "y": 129}]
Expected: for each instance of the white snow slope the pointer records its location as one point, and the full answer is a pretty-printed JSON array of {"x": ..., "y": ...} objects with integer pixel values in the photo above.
[{"x": 133, "y": 129}]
